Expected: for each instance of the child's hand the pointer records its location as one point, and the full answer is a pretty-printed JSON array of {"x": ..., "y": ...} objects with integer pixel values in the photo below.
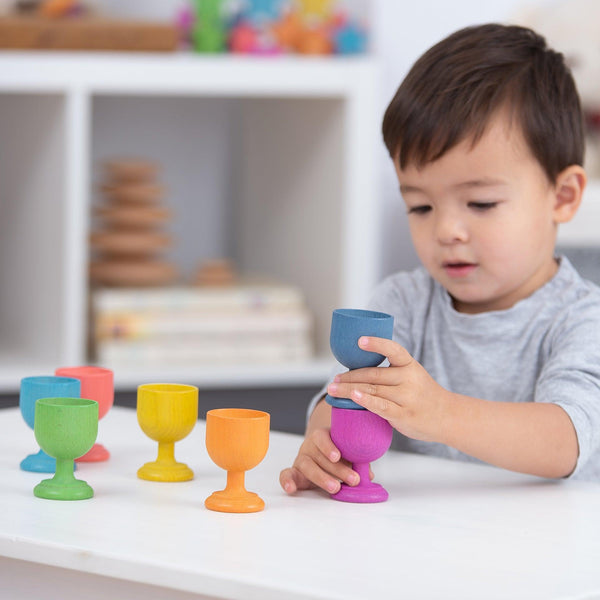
[
  {"x": 403, "y": 393},
  {"x": 318, "y": 464}
]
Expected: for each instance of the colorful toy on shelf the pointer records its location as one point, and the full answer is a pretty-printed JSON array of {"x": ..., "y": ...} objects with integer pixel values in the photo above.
[
  {"x": 167, "y": 413},
  {"x": 129, "y": 239},
  {"x": 243, "y": 39},
  {"x": 315, "y": 9},
  {"x": 97, "y": 383},
  {"x": 185, "y": 19},
  {"x": 237, "y": 440},
  {"x": 287, "y": 31},
  {"x": 262, "y": 12},
  {"x": 32, "y": 389},
  {"x": 349, "y": 38},
  {"x": 210, "y": 32},
  {"x": 315, "y": 27},
  {"x": 251, "y": 30},
  {"x": 315, "y": 40},
  {"x": 361, "y": 436},
  {"x": 65, "y": 428}
]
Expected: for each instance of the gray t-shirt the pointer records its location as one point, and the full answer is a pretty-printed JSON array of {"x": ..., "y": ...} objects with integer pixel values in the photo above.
[{"x": 546, "y": 348}]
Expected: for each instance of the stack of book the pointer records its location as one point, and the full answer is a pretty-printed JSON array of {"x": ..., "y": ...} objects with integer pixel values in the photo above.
[{"x": 195, "y": 325}]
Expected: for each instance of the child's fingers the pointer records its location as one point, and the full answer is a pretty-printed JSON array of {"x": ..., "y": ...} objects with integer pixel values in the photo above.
[
  {"x": 375, "y": 375},
  {"x": 322, "y": 440},
  {"x": 378, "y": 398},
  {"x": 327, "y": 456},
  {"x": 395, "y": 353},
  {"x": 318, "y": 464},
  {"x": 319, "y": 471},
  {"x": 386, "y": 408},
  {"x": 325, "y": 474},
  {"x": 338, "y": 471},
  {"x": 314, "y": 473},
  {"x": 292, "y": 480}
]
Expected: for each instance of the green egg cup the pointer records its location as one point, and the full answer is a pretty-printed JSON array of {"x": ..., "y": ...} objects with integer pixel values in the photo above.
[
  {"x": 65, "y": 428},
  {"x": 66, "y": 488}
]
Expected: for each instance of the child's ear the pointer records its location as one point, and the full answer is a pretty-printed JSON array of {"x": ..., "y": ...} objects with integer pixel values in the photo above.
[{"x": 570, "y": 184}]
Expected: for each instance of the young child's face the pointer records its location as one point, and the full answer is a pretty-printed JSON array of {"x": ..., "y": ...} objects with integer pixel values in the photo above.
[{"x": 481, "y": 219}]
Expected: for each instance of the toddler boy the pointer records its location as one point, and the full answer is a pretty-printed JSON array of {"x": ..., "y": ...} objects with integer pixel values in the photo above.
[{"x": 496, "y": 347}]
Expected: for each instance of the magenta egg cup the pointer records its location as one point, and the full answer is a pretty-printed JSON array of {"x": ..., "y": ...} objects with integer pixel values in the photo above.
[{"x": 361, "y": 436}]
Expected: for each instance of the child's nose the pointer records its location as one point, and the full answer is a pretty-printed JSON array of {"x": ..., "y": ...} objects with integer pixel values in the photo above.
[{"x": 450, "y": 229}]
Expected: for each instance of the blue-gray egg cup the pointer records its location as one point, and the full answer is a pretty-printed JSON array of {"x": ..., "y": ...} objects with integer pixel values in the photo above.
[
  {"x": 347, "y": 326},
  {"x": 32, "y": 389}
]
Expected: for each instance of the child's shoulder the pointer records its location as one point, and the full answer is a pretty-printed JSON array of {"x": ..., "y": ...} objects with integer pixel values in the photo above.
[
  {"x": 569, "y": 317},
  {"x": 573, "y": 288},
  {"x": 572, "y": 302}
]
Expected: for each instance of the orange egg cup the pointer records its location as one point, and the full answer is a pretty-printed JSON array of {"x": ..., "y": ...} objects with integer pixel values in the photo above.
[{"x": 237, "y": 440}]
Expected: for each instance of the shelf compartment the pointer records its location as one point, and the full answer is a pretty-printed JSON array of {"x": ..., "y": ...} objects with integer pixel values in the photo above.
[
  {"x": 33, "y": 227},
  {"x": 257, "y": 180},
  {"x": 314, "y": 119}
]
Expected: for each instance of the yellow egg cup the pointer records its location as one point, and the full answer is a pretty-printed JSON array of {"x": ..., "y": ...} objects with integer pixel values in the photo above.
[{"x": 167, "y": 413}]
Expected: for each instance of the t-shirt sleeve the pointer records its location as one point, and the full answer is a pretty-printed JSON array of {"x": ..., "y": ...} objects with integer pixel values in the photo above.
[{"x": 570, "y": 377}]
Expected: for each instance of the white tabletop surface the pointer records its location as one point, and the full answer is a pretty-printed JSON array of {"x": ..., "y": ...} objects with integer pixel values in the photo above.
[{"x": 449, "y": 529}]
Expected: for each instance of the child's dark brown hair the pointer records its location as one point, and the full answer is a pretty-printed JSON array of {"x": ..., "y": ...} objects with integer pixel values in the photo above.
[{"x": 452, "y": 92}]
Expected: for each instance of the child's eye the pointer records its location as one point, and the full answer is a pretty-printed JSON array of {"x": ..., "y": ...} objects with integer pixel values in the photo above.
[
  {"x": 482, "y": 206},
  {"x": 419, "y": 210}
]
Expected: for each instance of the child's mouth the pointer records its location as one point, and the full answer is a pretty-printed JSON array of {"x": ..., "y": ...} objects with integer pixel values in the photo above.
[{"x": 459, "y": 269}]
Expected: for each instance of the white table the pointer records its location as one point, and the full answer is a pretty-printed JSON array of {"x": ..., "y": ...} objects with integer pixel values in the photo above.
[{"x": 449, "y": 530}]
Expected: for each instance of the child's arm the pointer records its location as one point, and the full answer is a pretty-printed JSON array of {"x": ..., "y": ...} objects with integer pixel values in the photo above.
[
  {"x": 318, "y": 462},
  {"x": 531, "y": 437}
]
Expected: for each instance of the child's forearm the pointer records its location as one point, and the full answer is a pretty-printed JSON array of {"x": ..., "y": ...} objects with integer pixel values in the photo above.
[
  {"x": 320, "y": 417},
  {"x": 530, "y": 437}
]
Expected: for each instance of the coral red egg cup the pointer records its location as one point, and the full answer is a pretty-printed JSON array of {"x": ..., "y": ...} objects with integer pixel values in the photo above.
[{"x": 97, "y": 383}]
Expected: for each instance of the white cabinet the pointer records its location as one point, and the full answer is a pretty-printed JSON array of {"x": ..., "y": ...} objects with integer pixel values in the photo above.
[{"x": 289, "y": 145}]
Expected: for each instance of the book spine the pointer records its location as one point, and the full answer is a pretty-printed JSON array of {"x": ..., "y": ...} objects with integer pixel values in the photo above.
[
  {"x": 201, "y": 299},
  {"x": 141, "y": 354},
  {"x": 181, "y": 323}
]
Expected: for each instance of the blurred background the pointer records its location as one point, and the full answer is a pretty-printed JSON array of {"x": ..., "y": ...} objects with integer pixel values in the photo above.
[{"x": 190, "y": 188}]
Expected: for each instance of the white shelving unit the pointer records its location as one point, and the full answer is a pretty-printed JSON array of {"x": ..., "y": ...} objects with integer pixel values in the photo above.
[{"x": 296, "y": 172}]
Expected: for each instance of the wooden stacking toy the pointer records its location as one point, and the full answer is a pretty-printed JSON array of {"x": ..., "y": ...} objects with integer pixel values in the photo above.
[
  {"x": 129, "y": 242},
  {"x": 360, "y": 436},
  {"x": 215, "y": 273}
]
